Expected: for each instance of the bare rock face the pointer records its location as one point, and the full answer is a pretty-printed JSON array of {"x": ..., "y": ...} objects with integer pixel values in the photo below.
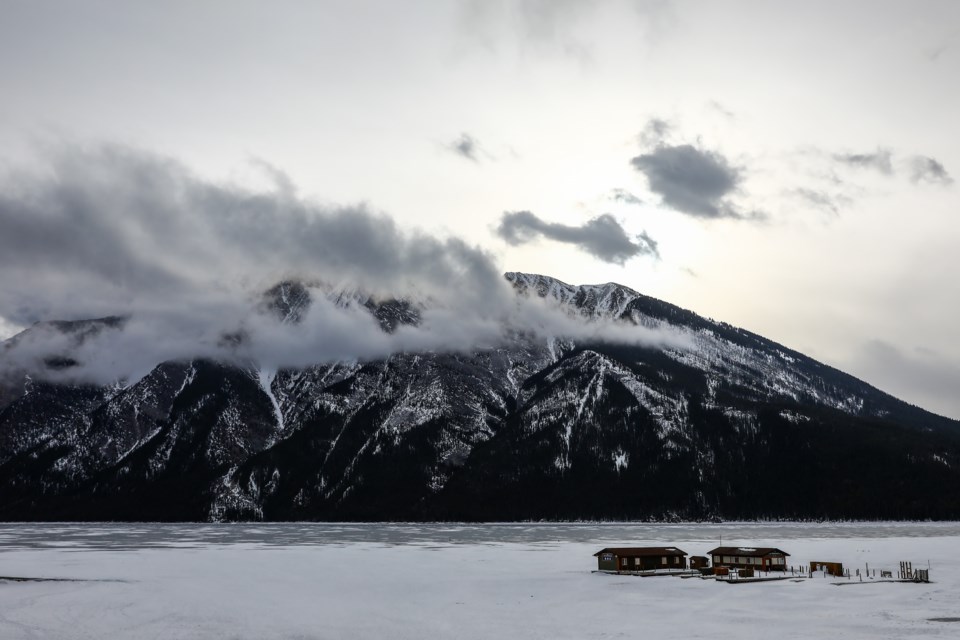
[{"x": 732, "y": 426}]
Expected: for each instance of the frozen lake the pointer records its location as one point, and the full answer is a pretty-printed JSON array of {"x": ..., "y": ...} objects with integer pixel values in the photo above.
[{"x": 457, "y": 581}]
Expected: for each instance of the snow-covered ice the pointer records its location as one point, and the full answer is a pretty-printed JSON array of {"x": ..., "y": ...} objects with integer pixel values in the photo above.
[{"x": 457, "y": 581}]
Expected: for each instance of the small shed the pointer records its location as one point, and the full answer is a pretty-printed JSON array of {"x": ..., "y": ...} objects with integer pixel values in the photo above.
[
  {"x": 640, "y": 558},
  {"x": 699, "y": 562},
  {"x": 830, "y": 568},
  {"x": 759, "y": 558}
]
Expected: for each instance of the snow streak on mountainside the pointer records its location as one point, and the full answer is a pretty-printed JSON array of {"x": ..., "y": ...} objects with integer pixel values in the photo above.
[{"x": 717, "y": 423}]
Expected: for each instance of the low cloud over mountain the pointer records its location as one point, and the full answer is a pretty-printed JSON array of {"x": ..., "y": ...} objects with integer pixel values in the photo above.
[{"x": 118, "y": 232}]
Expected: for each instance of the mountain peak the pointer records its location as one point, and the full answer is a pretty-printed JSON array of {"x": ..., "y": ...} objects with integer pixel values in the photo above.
[{"x": 608, "y": 300}]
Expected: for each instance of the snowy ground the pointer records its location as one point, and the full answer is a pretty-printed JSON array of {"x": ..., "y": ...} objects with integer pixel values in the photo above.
[{"x": 450, "y": 581}]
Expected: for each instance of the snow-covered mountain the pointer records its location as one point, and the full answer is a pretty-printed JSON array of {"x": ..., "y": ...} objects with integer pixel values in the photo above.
[{"x": 728, "y": 425}]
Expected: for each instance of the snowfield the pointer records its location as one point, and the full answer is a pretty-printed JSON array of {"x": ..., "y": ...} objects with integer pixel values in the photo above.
[{"x": 457, "y": 581}]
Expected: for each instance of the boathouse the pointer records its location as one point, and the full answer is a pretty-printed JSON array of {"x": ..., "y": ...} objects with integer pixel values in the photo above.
[
  {"x": 759, "y": 558},
  {"x": 640, "y": 558}
]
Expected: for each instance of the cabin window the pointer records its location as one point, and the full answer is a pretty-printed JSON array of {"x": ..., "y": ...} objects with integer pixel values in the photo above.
[
  {"x": 716, "y": 559},
  {"x": 623, "y": 562},
  {"x": 676, "y": 559},
  {"x": 663, "y": 560},
  {"x": 779, "y": 561},
  {"x": 636, "y": 561},
  {"x": 727, "y": 560}
]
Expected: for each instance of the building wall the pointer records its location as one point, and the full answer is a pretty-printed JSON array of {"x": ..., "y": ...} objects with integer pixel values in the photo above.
[
  {"x": 607, "y": 562},
  {"x": 832, "y": 568},
  {"x": 647, "y": 563},
  {"x": 764, "y": 563}
]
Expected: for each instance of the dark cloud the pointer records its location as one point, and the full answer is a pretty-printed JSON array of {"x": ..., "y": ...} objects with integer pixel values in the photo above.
[
  {"x": 466, "y": 146},
  {"x": 602, "y": 237},
  {"x": 622, "y": 195},
  {"x": 880, "y": 160},
  {"x": 924, "y": 169},
  {"x": 692, "y": 180},
  {"x": 114, "y": 231},
  {"x": 125, "y": 221}
]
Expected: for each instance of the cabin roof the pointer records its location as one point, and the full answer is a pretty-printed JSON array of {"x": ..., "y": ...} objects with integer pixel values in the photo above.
[
  {"x": 642, "y": 551},
  {"x": 750, "y": 552}
]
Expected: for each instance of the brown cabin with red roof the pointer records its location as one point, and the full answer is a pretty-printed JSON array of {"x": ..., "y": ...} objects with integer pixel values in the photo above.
[
  {"x": 759, "y": 558},
  {"x": 640, "y": 558}
]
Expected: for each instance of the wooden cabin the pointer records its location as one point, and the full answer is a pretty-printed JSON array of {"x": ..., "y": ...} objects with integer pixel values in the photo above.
[
  {"x": 759, "y": 558},
  {"x": 699, "y": 562},
  {"x": 622, "y": 559}
]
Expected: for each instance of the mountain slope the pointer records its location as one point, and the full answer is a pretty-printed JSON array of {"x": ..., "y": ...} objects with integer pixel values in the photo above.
[{"x": 728, "y": 425}]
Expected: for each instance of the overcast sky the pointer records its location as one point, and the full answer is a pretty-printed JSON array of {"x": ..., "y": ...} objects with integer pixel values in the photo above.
[{"x": 785, "y": 167}]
